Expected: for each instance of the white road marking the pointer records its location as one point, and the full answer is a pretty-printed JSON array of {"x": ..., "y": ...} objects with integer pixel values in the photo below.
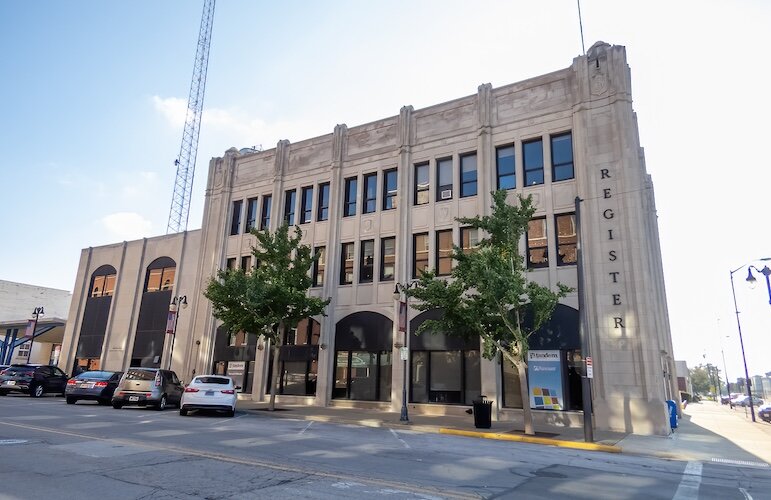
[
  {"x": 400, "y": 439},
  {"x": 689, "y": 485},
  {"x": 746, "y": 495},
  {"x": 163, "y": 433},
  {"x": 306, "y": 427}
]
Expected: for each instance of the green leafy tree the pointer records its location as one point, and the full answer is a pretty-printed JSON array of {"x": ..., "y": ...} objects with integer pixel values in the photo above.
[
  {"x": 701, "y": 379},
  {"x": 273, "y": 297},
  {"x": 488, "y": 294}
]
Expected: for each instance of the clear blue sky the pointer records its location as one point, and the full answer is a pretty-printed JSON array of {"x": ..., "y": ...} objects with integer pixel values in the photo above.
[{"x": 94, "y": 95}]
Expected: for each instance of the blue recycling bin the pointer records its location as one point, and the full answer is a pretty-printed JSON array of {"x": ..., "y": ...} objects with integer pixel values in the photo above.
[{"x": 672, "y": 406}]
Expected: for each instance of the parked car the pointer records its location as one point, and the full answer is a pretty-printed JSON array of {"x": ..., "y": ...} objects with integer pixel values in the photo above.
[
  {"x": 148, "y": 387},
  {"x": 34, "y": 380},
  {"x": 725, "y": 399},
  {"x": 2, "y": 368},
  {"x": 210, "y": 392},
  {"x": 92, "y": 386},
  {"x": 745, "y": 401},
  {"x": 764, "y": 412}
]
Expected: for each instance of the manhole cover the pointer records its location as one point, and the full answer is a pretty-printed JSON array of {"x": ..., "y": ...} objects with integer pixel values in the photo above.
[{"x": 12, "y": 441}]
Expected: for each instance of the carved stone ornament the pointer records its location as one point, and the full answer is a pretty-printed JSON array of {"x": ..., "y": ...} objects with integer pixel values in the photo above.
[
  {"x": 444, "y": 213},
  {"x": 599, "y": 83},
  {"x": 366, "y": 225}
]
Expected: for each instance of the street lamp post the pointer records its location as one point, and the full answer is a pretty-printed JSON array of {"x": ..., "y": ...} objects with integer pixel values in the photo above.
[
  {"x": 37, "y": 312},
  {"x": 751, "y": 280},
  {"x": 399, "y": 289},
  {"x": 176, "y": 303}
]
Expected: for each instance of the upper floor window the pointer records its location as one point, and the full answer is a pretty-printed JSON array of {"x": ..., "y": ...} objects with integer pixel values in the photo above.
[
  {"x": 390, "y": 189},
  {"x": 160, "y": 279},
  {"x": 469, "y": 239},
  {"x": 444, "y": 252},
  {"x": 532, "y": 159},
  {"x": 235, "y": 221},
  {"x": 238, "y": 338},
  {"x": 387, "y": 258},
  {"x": 103, "y": 286},
  {"x": 562, "y": 157},
  {"x": 366, "y": 261},
  {"x": 351, "y": 191},
  {"x": 230, "y": 264},
  {"x": 319, "y": 266},
  {"x": 246, "y": 263},
  {"x": 266, "y": 209},
  {"x": 537, "y": 248},
  {"x": 468, "y": 175},
  {"x": 566, "y": 239},
  {"x": 289, "y": 203},
  {"x": 251, "y": 214},
  {"x": 323, "y": 210},
  {"x": 505, "y": 173},
  {"x": 419, "y": 254},
  {"x": 306, "y": 210},
  {"x": 444, "y": 179},
  {"x": 370, "y": 193},
  {"x": 346, "y": 264},
  {"x": 421, "y": 184}
]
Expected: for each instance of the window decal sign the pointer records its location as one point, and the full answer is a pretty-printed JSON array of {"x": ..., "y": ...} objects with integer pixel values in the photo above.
[{"x": 545, "y": 380}]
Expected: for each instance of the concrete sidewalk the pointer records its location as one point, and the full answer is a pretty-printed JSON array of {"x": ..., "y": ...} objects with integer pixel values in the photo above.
[{"x": 707, "y": 431}]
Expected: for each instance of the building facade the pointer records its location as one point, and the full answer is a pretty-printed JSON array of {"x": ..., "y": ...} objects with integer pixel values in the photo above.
[{"x": 379, "y": 203}]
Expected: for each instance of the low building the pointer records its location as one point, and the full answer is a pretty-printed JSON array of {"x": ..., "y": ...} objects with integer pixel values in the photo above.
[
  {"x": 378, "y": 202},
  {"x": 683, "y": 377}
]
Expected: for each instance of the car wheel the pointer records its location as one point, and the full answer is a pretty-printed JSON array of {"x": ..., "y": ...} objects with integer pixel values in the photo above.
[
  {"x": 161, "y": 404},
  {"x": 71, "y": 400},
  {"x": 117, "y": 405},
  {"x": 37, "y": 391},
  {"x": 3, "y": 393},
  {"x": 231, "y": 413},
  {"x": 182, "y": 412}
]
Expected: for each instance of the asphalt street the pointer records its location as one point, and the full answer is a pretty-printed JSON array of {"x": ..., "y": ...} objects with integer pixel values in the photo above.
[{"x": 49, "y": 449}]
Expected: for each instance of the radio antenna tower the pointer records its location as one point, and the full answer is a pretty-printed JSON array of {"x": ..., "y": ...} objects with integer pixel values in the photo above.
[{"x": 185, "y": 162}]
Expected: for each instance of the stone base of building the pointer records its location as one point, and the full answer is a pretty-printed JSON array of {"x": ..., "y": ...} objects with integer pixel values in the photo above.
[{"x": 632, "y": 415}]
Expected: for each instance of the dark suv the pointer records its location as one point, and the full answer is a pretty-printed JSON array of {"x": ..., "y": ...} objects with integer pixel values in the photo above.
[
  {"x": 148, "y": 387},
  {"x": 34, "y": 380}
]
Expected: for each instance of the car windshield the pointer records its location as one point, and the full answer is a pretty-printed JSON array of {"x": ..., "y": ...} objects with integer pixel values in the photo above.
[
  {"x": 211, "y": 380},
  {"x": 19, "y": 371},
  {"x": 140, "y": 375},
  {"x": 99, "y": 375}
]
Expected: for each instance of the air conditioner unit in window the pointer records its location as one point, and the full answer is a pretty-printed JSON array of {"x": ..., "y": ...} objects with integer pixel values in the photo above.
[{"x": 446, "y": 194}]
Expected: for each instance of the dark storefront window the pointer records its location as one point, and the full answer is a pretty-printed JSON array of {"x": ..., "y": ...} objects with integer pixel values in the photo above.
[{"x": 363, "y": 357}]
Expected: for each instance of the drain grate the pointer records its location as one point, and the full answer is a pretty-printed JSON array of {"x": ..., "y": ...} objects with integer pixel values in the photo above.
[
  {"x": 12, "y": 441},
  {"x": 743, "y": 463}
]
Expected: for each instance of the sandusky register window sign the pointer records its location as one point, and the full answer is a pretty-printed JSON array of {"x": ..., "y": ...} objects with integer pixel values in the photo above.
[{"x": 545, "y": 374}]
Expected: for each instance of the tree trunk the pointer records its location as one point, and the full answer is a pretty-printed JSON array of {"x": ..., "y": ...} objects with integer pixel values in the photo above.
[
  {"x": 527, "y": 413},
  {"x": 275, "y": 376}
]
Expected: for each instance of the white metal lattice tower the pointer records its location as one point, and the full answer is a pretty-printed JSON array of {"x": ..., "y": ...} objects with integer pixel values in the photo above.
[{"x": 185, "y": 162}]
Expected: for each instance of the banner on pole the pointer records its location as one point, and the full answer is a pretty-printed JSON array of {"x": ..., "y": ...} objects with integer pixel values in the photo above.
[
  {"x": 170, "y": 322},
  {"x": 30, "y": 331},
  {"x": 402, "y": 316}
]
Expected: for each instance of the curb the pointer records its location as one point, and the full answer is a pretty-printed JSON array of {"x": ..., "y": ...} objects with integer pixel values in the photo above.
[{"x": 534, "y": 440}]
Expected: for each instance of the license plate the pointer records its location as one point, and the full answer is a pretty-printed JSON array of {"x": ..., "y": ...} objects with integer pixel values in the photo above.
[
  {"x": 11, "y": 382},
  {"x": 133, "y": 398},
  {"x": 86, "y": 386},
  {"x": 210, "y": 393}
]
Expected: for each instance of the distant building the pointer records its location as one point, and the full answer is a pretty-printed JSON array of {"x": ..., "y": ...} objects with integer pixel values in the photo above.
[
  {"x": 683, "y": 377},
  {"x": 378, "y": 202},
  {"x": 17, "y": 304}
]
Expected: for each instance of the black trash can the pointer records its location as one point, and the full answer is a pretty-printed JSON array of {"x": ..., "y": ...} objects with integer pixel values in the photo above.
[{"x": 483, "y": 411}]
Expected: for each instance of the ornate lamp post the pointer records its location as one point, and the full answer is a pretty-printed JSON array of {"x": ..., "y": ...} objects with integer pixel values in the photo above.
[
  {"x": 399, "y": 289},
  {"x": 751, "y": 280},
  {"x": 31, "y": 330},
  {"x": 171, "y": 324}
]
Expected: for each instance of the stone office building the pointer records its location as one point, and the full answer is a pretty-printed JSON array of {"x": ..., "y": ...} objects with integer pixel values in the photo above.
[{"x": 378, "y": 202}]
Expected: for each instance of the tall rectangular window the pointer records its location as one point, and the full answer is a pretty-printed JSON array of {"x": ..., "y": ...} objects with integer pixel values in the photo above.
[
  {"x": 289, "y": 203},
  {"x": 469, "y": 239},
  {"x": 505, "y": 173},
  {"x": 319, "y": 266},
  {"x": 246, "y": 262},
  {"x": 532, "y": 159},
  {"x": 444, "y": 252},
  {"x": 387, "y": 258},
  {"x": 366, "y": 261},
  {"x": 230, "y": 264},
  {"x": 444, "y": 179},
  {"x": 468, "y": 175},
  {"x": 235, "y": 221},
  {"x": 351, "y": 190},
  {"x": 251, "y": 214},
  {"x": 390, "y": 189},
  {"x": 419, "y": 254},
  {"x": 266, "y": 209},
  {"x": 323, "y": 210},
  {"x": 562, "y": 157},
  {"x": 306, "y": 210},
  {"x": 346, "y": 264},
  {"x": 370, "y": 193},
  {"x": 421, "y": 184},
  {"x": 537, "y": 248},
  {"x": 566, "y": 239}
]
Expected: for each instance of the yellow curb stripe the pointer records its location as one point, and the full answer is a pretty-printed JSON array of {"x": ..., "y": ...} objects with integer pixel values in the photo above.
[{"x": 534, "y": 440}]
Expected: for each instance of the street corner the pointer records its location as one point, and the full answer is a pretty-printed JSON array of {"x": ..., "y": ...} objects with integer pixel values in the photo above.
[{"x": 578, "y": 445}]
